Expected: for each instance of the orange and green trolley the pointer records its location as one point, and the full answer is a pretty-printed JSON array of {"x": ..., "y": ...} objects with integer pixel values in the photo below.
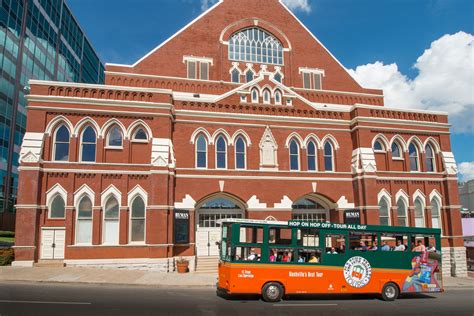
[{"x": 302, "y": 257}]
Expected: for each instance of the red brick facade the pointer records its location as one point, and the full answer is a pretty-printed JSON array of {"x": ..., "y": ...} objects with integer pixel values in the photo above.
[{"x": 156, "y": 96}]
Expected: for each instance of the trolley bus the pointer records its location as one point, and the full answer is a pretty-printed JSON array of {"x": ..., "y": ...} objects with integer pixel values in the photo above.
[{"x": 302, "y": 257}]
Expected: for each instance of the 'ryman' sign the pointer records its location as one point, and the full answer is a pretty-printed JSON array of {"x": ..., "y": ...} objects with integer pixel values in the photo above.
[{"x": 325, "y": 225}]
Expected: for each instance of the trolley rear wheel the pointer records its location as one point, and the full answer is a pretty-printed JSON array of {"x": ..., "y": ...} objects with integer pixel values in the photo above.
[
  {"x": 272, "y": 292},
  {"x": 390, "y": 292}
]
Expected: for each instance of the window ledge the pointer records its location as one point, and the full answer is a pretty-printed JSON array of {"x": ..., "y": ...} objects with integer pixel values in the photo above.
[
  {"x": 140, "y": 141},
  {"x": 114, "y": 147},
  {"x": 398, "y": 158}
]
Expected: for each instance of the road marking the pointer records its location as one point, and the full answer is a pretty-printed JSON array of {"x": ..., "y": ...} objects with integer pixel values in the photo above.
[
  {"x": 45, "y": 302},
  {"x": 308, "y": 304}
]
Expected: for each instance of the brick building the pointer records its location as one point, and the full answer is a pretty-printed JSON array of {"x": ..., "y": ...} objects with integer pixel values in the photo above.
[{"x": 242, "y": 113}]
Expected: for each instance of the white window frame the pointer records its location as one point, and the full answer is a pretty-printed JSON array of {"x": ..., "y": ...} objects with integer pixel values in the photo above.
[
  {"x": 266, "y": 92},
  {"x": 196, "y": 151},
  {"x": 298, "y": 154},
  {"x": 417, "y": 150},
  {"x": 254, "y": 100},
  {"x": 232, "y": 75},
  {"x": 245, "y": 152},
  {"x": 188, "y": 69},
  {"x": 130, "y": 219},
  {"x": 104, "y": 219},
  {"x": 54, "y": 143},
  {"x": 433, "y": 159},
  {"x": 311, "y": 141},
  {"x": 134, "y": 140},
  {"x": 389, "y": 210},
  {"x": 332, "y": 157},
  {"x": 278, "y": 92},
  {"x": 422, "y": 212},
  {"x": 405, "y": 207},
  {"x": 77, "y": 220},
  {"x": 226, "y": 152},
  {"x": 383, "y": 150},
  {"x": 107, "y": 146},
  {"x": 81, "y": 143},
  {"x": 58, "y": 194},
  {"x": 400, "y": 150},
  {"x": 312, "y": 73},
  {"x": 206, "y": 72}
]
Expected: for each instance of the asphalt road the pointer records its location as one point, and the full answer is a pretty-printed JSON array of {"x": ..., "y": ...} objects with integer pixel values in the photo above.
[{"x": 87, "y": 300}]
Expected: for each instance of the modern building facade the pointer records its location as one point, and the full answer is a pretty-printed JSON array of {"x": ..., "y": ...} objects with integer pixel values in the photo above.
[
  {"x": 39, "y": 39},
  {"x": 466, "y": 195},
  {"x": 243, "y": 113}
]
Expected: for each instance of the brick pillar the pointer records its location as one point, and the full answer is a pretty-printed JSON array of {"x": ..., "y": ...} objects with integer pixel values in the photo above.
[
  {"x": 97, "y": 226},
  {"x": 70, "y": 227},
  {"x": 124, "y": 223}
]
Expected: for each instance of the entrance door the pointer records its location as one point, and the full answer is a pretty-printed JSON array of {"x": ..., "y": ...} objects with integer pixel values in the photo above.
[
  {"x": 52, "y": 244},
  {"x": 206, "y": 239}
]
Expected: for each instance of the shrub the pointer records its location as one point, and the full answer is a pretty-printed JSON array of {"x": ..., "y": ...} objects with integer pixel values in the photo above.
[
  {"x": 6, "y": 256},
  {"x": 7, "y": 234}
]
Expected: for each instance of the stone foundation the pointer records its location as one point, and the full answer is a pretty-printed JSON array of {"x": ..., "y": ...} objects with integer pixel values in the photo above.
[
  {"x": 158, "y": 265},
  {"x": 454, "y": 261}
]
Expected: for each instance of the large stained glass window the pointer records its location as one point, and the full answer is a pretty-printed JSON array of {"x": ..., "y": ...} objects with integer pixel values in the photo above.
[{"x": 255, "y": 45}]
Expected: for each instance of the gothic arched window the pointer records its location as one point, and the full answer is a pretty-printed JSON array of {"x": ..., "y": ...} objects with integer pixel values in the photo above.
[{"x": 255, "y": 45}]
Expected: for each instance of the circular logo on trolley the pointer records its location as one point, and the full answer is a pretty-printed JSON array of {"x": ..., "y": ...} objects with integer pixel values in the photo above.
[{"x": 357, "y": 272}]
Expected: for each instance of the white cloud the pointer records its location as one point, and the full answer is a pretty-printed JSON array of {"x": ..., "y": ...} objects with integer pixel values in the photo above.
[
  {"x": 445, "y": 80},
  {"x": 466, "y": 171},
  {"x": 294, "y": 5}
]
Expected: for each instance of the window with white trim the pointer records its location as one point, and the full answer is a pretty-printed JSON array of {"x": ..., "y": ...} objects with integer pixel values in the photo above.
[
  {"x": 197, "y": 67},
  {"x": 240, "y": 147},
  {"x": 312, "y": 78},
  {"x": 255, "y": 45},
  {"x": 111, "y": 222},
  {"x": 266, "y": 96},
  {"x": 419, "y": 213},
  {"x": 254, "y": 95},
  {"x": 192, "y": 71},
  {"x": 57, "y": 209},
  {"x": 201, "y": 152},
  {"x": 384, "y": 214},
  {"x": 221, "y": 153},
  {"x": 328, "y": 157},
  {"x": 401, "y": 213},
  {"x": 249, "y": 75},
  {"x": 430, "y": 160},
  {"x": 61, "y": 144},
  {"x": 311, "y": 155},
  {"x": 204, "y": 74},
  {"x": 278, "y": 77},
  {"x": 277, "y": 97},
  {"x": 378, "y": 146},
  {"x": 88, "y": 145},
  {"x": 396, "y": 151},
  {"x": 137, "y": 220},
  {"x": 435, "y": 214},
  {"x": 84, "y": 221},
  {"x": 140, "y": 135},
  {"x": 294, "y": 155},
  {"x": 235, "y": 75},
  {"x": 114, "y": 137},
  {"x": 414, "y": 162}
]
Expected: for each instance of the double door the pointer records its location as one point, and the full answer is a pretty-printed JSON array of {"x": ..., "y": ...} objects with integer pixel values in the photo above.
[{"x": 52, "y": 244}]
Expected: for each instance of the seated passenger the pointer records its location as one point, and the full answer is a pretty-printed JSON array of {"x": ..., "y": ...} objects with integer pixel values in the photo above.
[
  {"x": 300, "y": 259},
  {"x": 272, "y": 256},
  {"x": 332, "y": 251},
  {"x": 286, "y": 257},
  {"x": 313, "y": 259},
  {"x": 400, "y": 246},
  {"x": 363, "y": 246},
  {"x": 385, "y": 246},
  {"x": 374, "y": 246},
  {"x": 420, "y": 247},
  {"x": 252, "y": 256}
]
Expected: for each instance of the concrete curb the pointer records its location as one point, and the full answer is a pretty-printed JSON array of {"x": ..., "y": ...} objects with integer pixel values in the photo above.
[{"x": 195, "y": 286}]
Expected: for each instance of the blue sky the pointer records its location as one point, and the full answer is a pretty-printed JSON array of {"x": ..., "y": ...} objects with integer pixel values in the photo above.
[{"x": 403, "y": 36}]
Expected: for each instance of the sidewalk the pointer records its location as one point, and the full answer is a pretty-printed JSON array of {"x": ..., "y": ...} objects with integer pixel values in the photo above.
[
  {"x": 140, "y": 277},
  {"x": 106, "y": 276}
]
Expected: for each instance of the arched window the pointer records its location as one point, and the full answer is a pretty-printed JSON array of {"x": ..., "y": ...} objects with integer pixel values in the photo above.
[
  {"x": 378, "y": 146},
  {"x": 254, "y": 96},
  {"x": 84, "y": 221},
  {"x": 401, "y": 213},
  {"x": 311, "y": 155},
  {"x": 61, "y": 144},
  {"x": 114, "y": 138},
  {"x": 414, "y": 165},
  {"x": 277, "y": 97},
  {"x": 140, "y": 135},
  {"x": 435, "y": 214},
  {"x": 384, "y": 212},
  {"x": 328, "y": 157},
  {"x": 294, "y": 155},
  {"x": 221, "y": 153},
  {"x": 430, "y": 159},
  {"x": 266, "y": 96},
  {"x": 396, "y": 152},
  {"x": 215, "y": 209},
  {"x": 308, "y": 210},
  {"x": 255, "y": 45},
  {"x": 240, "y": 161},
  {"x": 88, "y": 141},
  {"x": 111, "y": 222},
  {"x": 419, "y": 214},
  {"x": 235, "y": 76},
  {"x": 249, "y": 75},
  {"x": 278, "y": 77},
  {"x": 57, "y": 209},
  {"x": 201, "y": 152},
  {"x": 137, "y": 220}
]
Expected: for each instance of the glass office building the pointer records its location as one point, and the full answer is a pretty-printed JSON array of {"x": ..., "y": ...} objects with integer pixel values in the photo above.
[{"x": 39, "y": 39}]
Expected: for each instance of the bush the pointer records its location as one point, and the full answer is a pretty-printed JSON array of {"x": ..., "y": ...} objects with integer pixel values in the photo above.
[
  {"x": 7, "y": 234},
  {"x": 6, "y": 256}
]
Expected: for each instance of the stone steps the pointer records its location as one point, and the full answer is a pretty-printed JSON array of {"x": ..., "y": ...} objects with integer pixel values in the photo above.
[
  {"x": 50, "y": 264},
  {"x": 207, "y": 264}
]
